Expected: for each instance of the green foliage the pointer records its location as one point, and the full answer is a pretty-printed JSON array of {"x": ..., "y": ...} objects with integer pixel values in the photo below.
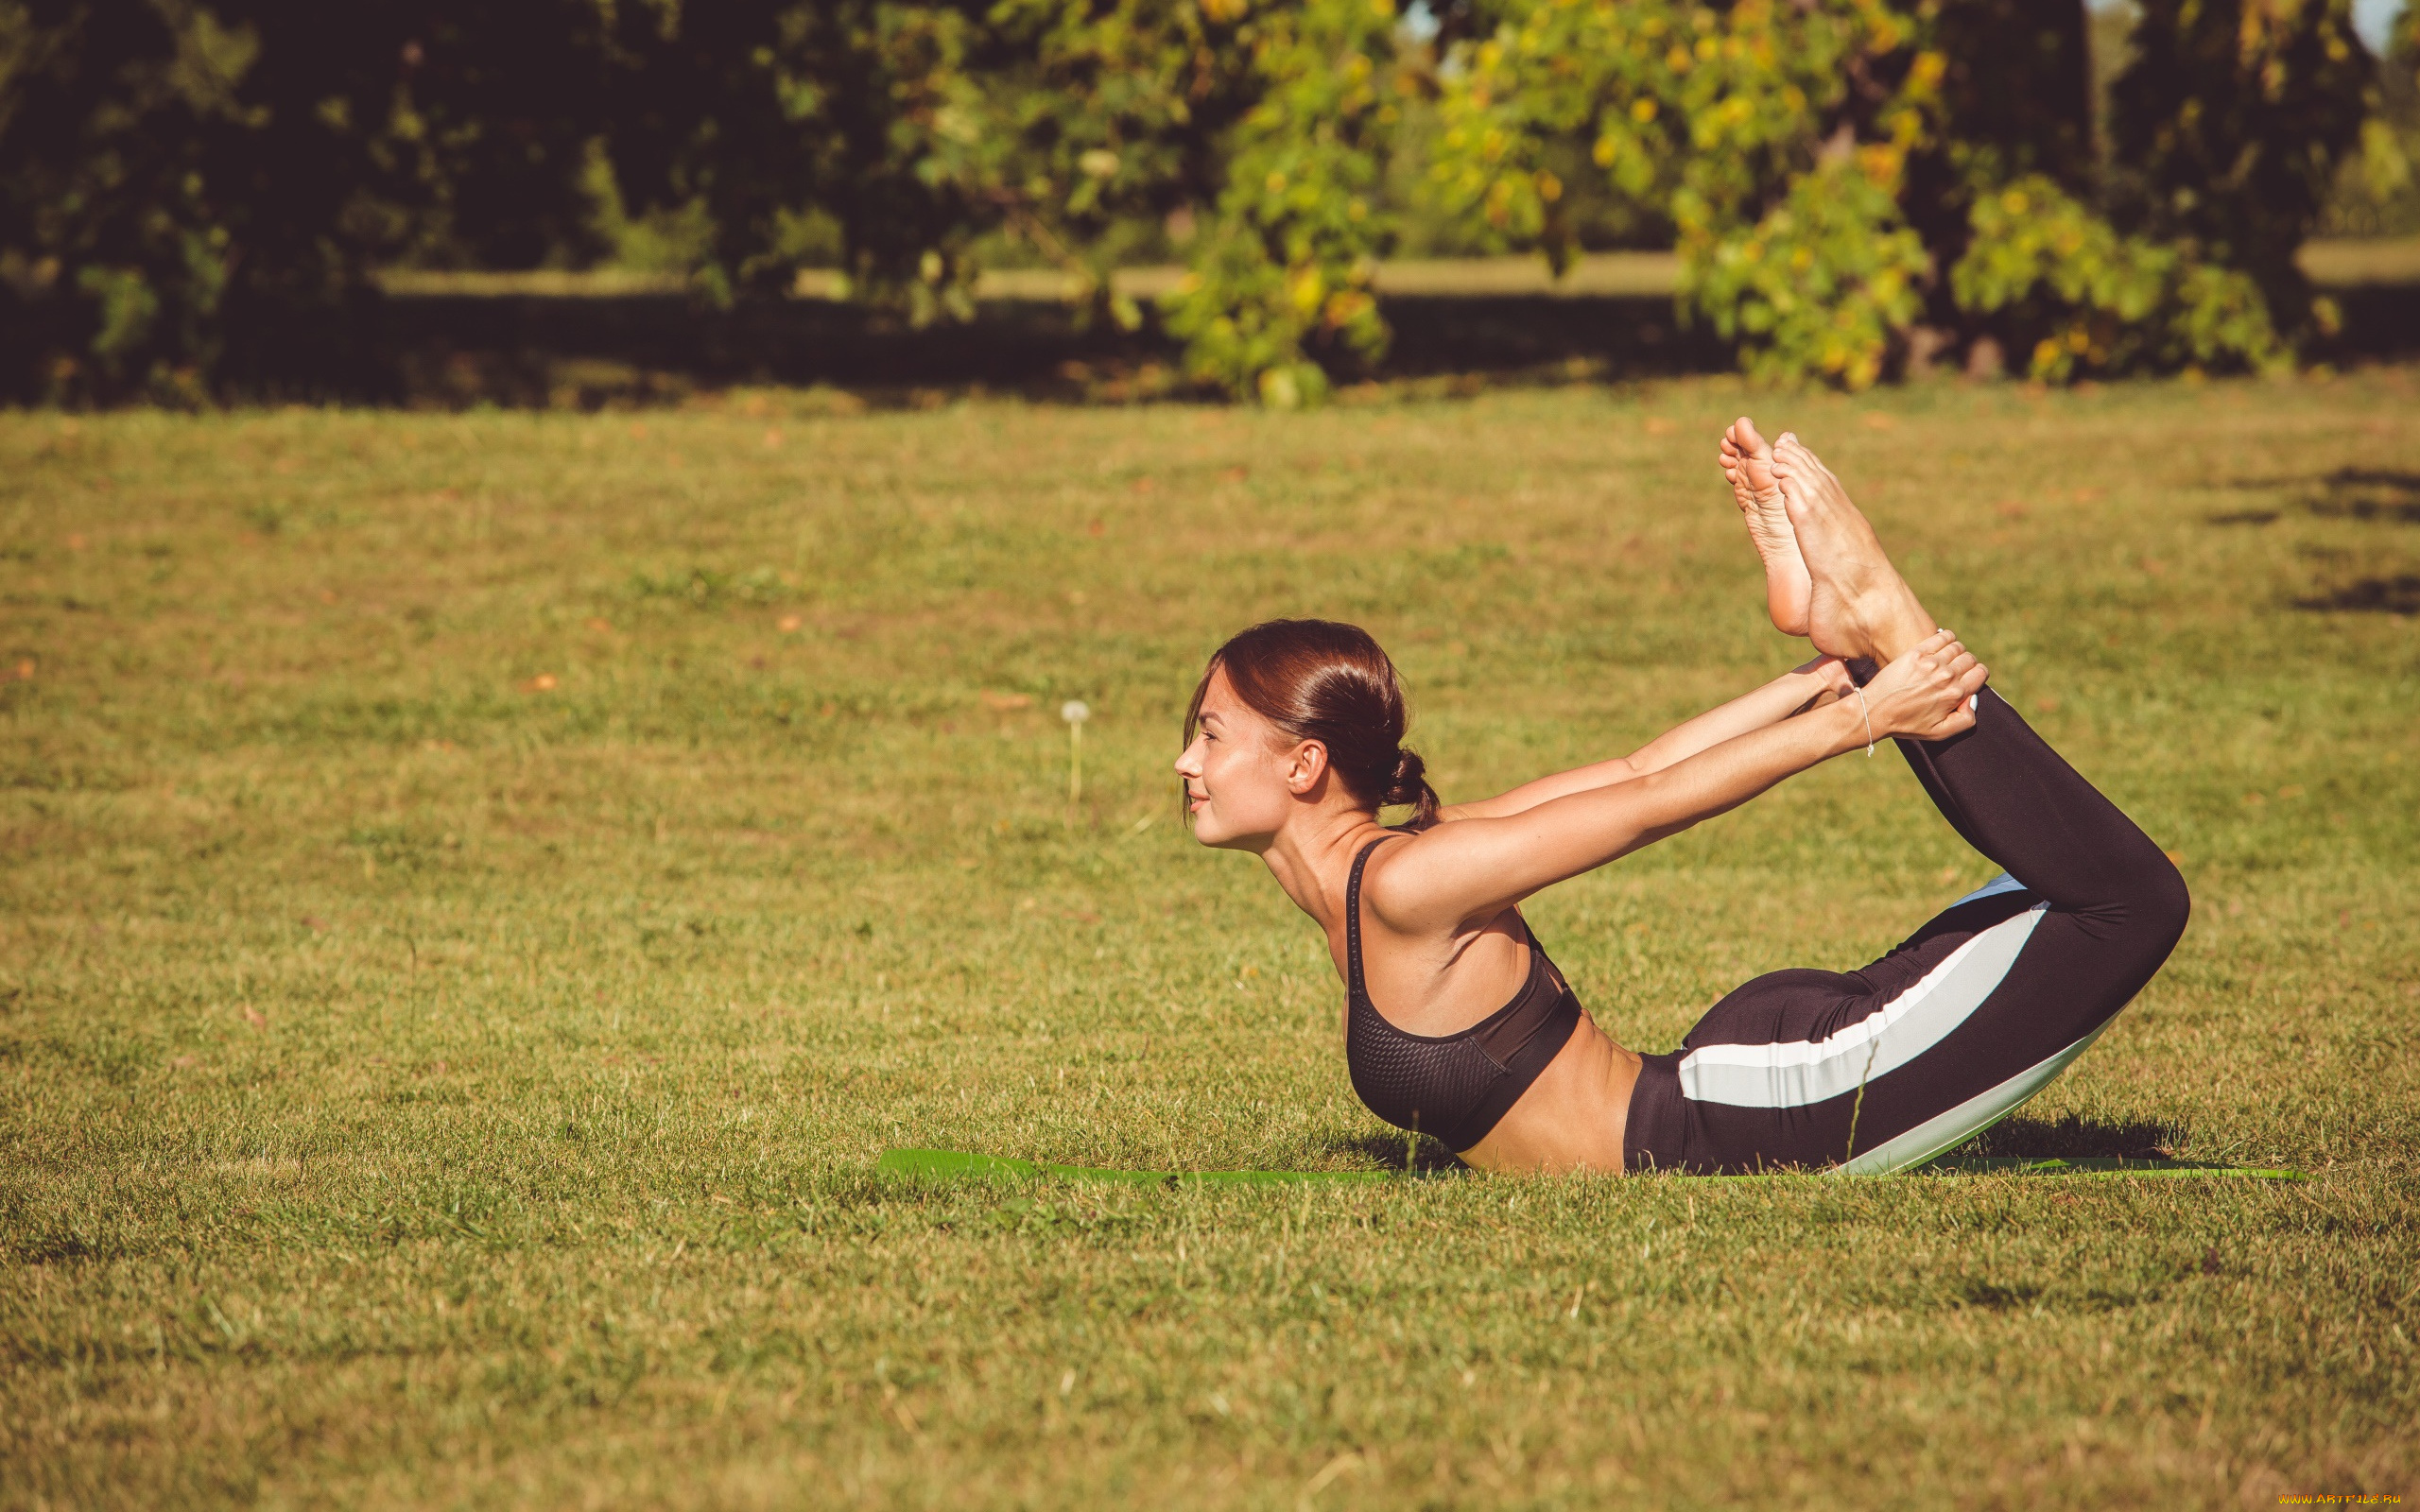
[
  {"x": 190, "y": 196},
  {"x": 104, "y": 203},
  {"x": 1822, "y": 283},
  {"x": 1739, "y": 124},
  {"x": 193, "y": 196},
  {"x": 1283, "y": 277},
  {"x": 777, "y": 119},
  {"x": 1708, "y": 111},
  {"x": 1087, "y": 120},
  {"x": 1839, "y": 171},
  {"x": 2229, "y": 126},
  {"x": 2102, "y": 301}
]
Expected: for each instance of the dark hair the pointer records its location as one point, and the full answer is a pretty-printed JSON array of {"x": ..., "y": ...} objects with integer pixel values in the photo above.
[{"x": 1317, "y": 679}]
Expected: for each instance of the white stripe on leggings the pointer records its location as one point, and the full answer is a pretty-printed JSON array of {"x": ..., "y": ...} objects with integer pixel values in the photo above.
[{"x": 1795, "y": 1072}]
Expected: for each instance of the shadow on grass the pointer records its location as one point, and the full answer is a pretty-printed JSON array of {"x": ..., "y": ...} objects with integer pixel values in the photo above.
[
  {"x": 2029, "y": 1138},
  {"x": 2367, "y": 495},
  {"x": 2395, "y": 594},
  {"x": 2073, "y": 1138},
  {"x": 2389, "y": 494},
  {"x": 1395, "y": 1152}
]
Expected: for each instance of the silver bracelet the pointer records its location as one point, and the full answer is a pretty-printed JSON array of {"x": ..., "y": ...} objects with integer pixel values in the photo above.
[{"x": 1866, "y": 710}]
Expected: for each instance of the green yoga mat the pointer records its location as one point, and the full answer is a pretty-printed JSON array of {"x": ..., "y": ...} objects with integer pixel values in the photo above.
[
  {"x": 957, "y": 1164},
  {"x": 954, "y": 1164}
]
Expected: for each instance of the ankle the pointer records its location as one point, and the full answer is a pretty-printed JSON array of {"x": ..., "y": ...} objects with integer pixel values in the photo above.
[{"x": 1904, "y": 627}]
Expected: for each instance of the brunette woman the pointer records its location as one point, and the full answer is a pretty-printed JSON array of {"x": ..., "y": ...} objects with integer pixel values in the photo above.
[{"x": 1458, "y": 1025}]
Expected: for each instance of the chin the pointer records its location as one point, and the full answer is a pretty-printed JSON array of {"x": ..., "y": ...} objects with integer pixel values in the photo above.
[{"x": 1209, "y": 832}]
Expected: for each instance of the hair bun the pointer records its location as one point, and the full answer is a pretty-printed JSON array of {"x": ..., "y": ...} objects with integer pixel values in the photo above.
[{"x": 1408, "y": 783}]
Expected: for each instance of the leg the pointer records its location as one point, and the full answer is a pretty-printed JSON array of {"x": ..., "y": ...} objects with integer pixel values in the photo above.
[
  {"x": 1974, "y": 1013},
  {"x": 2010, "y": 795}
]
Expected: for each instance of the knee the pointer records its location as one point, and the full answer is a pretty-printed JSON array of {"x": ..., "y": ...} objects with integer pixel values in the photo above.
[{"x": 2159, "y": 904}]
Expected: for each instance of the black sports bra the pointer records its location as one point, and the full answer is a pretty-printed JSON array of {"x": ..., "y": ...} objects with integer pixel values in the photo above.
[{"x": 1457, "y": 1086}]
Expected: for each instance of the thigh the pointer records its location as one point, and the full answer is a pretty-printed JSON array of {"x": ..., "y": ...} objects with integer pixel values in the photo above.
[
  {"x": 1805, "y": 1068},
  {"x": 1802, "y": 1005}
]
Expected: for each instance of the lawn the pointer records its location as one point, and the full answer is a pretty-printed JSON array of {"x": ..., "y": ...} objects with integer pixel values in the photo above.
[{"x": 480, "y": 891}]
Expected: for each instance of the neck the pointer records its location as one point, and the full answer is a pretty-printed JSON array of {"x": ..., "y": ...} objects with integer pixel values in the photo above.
[{"x": 1317, "y": 847}]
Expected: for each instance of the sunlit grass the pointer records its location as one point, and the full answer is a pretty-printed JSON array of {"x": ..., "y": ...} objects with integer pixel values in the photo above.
[{"x": 480, "y": 891}]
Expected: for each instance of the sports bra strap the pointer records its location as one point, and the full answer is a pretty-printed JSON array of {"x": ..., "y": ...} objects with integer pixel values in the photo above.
[{"x": 1353, "y": 919}]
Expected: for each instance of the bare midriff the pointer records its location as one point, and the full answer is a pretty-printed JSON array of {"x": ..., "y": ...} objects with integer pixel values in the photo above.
[{"x": 1573, "y": 1116}]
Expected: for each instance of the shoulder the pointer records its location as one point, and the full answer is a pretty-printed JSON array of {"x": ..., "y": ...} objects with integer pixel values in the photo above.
[{"x": 1406, "y": 876}]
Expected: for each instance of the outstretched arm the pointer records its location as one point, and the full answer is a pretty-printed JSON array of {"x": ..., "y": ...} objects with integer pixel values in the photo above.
[
  {"x": 1794, "y": 691},
  {"x": 1459, "y": 874}
]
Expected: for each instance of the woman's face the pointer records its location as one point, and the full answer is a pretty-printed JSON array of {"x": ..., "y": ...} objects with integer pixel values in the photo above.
[{"x": 1242, "y": 777}]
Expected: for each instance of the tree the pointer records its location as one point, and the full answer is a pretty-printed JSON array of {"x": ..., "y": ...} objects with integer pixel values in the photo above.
[{"x": 191, "y": 197}]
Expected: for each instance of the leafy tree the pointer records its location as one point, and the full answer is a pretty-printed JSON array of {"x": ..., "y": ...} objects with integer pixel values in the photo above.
[
  {"x": 2229, "y": 126},
  {"x": 1282, "y": 281},
  {"x": 190, "y": 196},
  {"x": 1844, "y": 172}
]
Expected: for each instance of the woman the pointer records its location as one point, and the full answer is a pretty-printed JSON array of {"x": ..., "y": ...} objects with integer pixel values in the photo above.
[{"x": 1459, "y": 1027}]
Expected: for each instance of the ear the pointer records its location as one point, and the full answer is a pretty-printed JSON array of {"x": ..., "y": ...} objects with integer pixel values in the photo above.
[{"x": 1308, "y": 766}]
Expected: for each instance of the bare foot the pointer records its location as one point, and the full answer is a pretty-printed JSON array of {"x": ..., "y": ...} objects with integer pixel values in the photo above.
[
  {"x": 1748, "y": 462},
  {"x": 1858, "y": 604}
]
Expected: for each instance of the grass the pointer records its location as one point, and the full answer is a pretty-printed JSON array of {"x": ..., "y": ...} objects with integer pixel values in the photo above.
[{"x": 480, "y": 891}]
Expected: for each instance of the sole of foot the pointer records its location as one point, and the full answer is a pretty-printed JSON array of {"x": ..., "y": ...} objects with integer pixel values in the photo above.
[
  {"x": 1748, "y": 467},
  {"x": 1858, "y": 604}
]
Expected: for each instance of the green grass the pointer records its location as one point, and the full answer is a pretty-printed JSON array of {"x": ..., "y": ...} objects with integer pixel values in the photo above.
[{"x": 422, "y": 1084}]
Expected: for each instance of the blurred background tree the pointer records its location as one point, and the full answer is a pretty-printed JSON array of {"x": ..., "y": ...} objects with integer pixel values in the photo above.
[
  {"x": 1859, "y": 186},
  {"x": 194, "y": 197}
]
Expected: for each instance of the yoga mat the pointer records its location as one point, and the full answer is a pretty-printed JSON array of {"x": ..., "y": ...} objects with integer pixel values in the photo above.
[
  {"x": 2098, "y": 1165},
  {"x": 950, "y": 1163},
  {"x": 959, "y": 1164}
]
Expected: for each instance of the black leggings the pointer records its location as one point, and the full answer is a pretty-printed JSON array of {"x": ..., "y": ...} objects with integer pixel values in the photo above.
[{"x": 1881, "y": 1069}]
